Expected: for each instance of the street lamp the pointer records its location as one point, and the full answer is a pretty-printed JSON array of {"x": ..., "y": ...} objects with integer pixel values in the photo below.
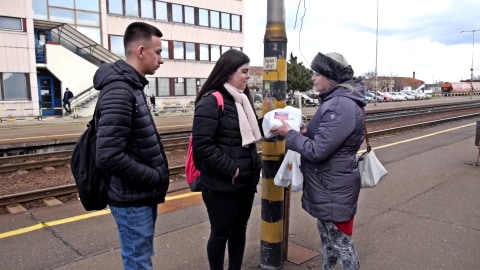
[{"x": 473, "y": 49}]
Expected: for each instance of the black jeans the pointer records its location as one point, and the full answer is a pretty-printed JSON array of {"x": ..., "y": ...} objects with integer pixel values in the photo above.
[
  {"x": 66, "y": 105},
  {"x": 228, "y": 214}
]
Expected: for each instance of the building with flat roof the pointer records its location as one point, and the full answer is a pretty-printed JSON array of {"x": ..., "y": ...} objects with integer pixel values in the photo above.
[{"x": 49, "y": 45}]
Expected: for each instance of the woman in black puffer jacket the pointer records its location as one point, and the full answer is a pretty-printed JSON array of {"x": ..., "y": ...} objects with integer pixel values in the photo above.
[{"x": 225, "y": 153}]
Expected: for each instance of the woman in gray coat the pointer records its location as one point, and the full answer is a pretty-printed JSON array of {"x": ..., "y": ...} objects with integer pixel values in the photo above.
[{"x": 328, "y": 146}]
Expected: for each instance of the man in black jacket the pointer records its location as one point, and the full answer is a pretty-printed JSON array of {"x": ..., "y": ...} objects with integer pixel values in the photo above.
[
  {"x": 128, "y": 145},
  {"x": 66, "y": 100}
]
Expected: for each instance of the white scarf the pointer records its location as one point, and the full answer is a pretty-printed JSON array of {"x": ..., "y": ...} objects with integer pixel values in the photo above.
[{"x": 246, "y": 116}]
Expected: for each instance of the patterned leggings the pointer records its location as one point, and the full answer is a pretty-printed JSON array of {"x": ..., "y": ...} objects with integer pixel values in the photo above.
[{"x": 337, "y": 245}]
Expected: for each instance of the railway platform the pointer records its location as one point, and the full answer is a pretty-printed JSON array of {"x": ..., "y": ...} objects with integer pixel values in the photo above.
[{"x": 423, "y": 215}]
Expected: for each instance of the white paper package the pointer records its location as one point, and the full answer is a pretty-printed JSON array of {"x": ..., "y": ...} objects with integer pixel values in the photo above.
[{"x": 273, "y": 118}]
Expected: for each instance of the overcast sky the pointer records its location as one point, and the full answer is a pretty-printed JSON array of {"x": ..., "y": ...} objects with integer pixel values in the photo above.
[{"x": 413, "y": 35}]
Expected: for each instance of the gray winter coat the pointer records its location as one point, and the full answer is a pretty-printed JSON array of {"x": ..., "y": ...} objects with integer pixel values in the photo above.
[
  {"x": 334, "y": 135},
  {"x": 128, "y": 144}
]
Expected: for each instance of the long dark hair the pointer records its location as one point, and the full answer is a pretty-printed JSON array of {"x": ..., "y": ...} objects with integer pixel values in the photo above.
[{"x": 227, "y": 64}]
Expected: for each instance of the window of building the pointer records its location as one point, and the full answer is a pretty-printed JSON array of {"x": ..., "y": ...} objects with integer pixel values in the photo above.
[
  {"x": 131, "y": 8},
  {"x": 88, "y": 18},
  {"x": 191, "y": 87},
  {"x": 115, "y": 7},
  {"x": 14, "y": 86},
  {"x": 214, "y": 52},
  {"x": 178, "y": 50},
  {"x": 179, "y": 87},
  {"x": 85, "y": 5},
  {"x": 151, "y": 87},
  {"x": 116, "y": 45},
  {"x": 9, "y": 23},
  {"x": 147, "y": 9},
  {"x": 163, "y": 87},
  {"x": 214, "y": 19},
  {"x": 202, "y": 82},
  {"x": 40, "y": 9},
  {"x": 224, "y": 49},
  {"x": 81, "y": 14},
  {"x": 203, "y": 17},
  {"x": 62, "y": 15},
  {"x": 189, "y": 51},
  {"x": 204, "y": 52},
  {"x": 165, "y": 51},
  {"x": 92, "y": 32},
  {"x": 236, "y": 23},
  {"x": 62, "y": 3},
  {"x": 161, "y": 11},
  {"x": 189, "y": 15},
  {"x": 177, "y": 13},
  {"x": 225, "y": 21}
]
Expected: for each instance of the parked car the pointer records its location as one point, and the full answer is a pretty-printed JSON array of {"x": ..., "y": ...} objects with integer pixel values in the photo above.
[
  {"x": 386, "y": 96},
  {"x": 396, "y": 96},
  {"x": 368, "y": 98},
  {"x": 408, "y": 95},
  {"x": 257, "y": 97},
  {"x": 372, "y": 94}
]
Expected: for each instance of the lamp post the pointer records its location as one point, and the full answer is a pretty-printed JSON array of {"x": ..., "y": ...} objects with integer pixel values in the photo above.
[{"x": 473, "y": 49}]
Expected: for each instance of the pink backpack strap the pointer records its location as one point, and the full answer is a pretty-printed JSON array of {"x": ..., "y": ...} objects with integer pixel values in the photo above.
[{"x": 219, "y": 98}]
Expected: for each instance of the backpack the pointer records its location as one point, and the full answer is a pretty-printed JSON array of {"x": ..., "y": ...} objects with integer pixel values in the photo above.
[
  {"x": 191, "y": 173},
  {"x": 92, "y": 184}
]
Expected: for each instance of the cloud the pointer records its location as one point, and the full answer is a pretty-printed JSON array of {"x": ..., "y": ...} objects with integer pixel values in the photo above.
[{"x": 413, "y": 36}]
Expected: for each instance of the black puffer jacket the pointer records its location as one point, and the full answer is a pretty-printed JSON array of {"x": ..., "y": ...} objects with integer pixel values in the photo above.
[
  {"x": 217, "y": 147},
  {"x": 128, "y": 145}
]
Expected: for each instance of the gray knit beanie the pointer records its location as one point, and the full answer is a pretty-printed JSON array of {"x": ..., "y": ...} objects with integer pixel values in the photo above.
[{"x": 331, "y": 69}]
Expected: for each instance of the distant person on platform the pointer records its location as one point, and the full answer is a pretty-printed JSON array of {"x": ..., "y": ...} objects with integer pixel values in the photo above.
[
  {"x": 152, "y": 101},
  {"x": 66, "y": 100},
  {"x": 129, "y": 147}
]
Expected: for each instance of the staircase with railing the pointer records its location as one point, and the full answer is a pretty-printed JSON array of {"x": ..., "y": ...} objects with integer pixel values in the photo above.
[{"x": 76, "y": 42}]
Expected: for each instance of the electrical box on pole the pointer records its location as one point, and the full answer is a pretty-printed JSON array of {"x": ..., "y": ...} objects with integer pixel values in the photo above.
[{"x": 273, "y": 225}]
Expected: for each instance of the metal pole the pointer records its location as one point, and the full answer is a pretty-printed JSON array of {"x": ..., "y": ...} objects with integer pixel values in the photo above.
[
  {"x": 274, "y": 96},
  {"x": 376, "y": 60},
  {"x": 473, "y": 49}
]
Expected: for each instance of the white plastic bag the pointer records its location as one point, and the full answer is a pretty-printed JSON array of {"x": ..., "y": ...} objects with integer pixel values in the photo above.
[
  {"x": 371, "y": 169},
  {"x": 273, "y": 118},
  {"x": 289, "y": 172}
]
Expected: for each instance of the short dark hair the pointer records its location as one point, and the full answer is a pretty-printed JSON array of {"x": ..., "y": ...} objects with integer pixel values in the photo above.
[
  {"x": 139, "y": 31},
  {"x": 227, "y": 64}
]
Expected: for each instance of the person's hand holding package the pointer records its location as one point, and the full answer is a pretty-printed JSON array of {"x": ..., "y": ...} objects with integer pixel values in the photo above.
[{"x": 285, "y": 128}]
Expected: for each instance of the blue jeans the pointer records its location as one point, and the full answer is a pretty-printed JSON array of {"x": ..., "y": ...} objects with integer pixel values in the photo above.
[{"x": 136, "y": 227}]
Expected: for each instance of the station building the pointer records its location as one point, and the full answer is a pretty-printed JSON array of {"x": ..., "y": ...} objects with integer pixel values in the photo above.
[{"x": 49, "y": 45}]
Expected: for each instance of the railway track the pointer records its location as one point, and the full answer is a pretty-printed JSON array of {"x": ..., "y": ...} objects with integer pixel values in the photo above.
[
  {"x": 57, "y": 191},
  {"x": 58, "y": 158},
  {"x": 35, "y": 161},
  {"x": 180, "y": 141}
]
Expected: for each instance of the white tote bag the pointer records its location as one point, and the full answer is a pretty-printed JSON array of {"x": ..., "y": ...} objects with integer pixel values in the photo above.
[{"x": 371, "y": 169}]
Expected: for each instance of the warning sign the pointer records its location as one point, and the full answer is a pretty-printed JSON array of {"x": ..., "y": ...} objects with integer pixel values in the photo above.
[{"x": 269, "y": 63}]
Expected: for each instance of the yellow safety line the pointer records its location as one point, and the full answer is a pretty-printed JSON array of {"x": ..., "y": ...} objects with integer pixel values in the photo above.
[
  {"x": 80, "y": 217},
  {"x": 180, "y": 196}
]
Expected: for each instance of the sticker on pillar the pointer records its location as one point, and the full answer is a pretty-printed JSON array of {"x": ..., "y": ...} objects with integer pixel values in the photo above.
[{"x": 269, "y": 63}]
